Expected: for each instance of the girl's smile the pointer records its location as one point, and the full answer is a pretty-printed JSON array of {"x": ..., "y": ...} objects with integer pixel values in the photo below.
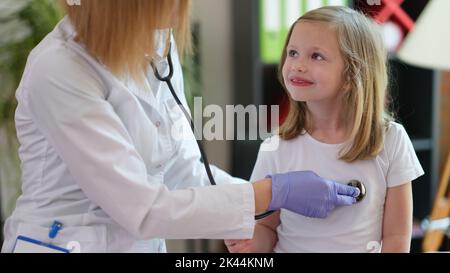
[{"x": 297, "y": 81}]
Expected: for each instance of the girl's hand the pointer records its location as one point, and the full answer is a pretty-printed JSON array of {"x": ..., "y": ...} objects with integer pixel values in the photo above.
[{"x": 239, "y": 246}]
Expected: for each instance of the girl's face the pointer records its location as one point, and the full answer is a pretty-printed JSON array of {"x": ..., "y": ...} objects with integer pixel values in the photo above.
[{"x": 313, "y": 69}]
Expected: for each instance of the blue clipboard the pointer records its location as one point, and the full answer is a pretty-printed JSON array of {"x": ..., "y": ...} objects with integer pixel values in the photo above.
[{"x": 25, "y": 244}]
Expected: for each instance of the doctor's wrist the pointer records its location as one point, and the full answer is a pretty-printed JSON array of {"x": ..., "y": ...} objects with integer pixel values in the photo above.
[{"x": 263, "y": 195}]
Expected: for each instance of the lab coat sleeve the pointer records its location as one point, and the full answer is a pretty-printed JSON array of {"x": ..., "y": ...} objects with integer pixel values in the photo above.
[{"x": 68, "y": 105}]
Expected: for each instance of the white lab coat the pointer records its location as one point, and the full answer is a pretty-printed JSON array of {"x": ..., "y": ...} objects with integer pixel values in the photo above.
[{"x": 97, "y": 154}]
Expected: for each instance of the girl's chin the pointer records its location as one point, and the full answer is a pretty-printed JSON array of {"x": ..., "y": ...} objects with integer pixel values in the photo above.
[{"x": 300, "y": 96}]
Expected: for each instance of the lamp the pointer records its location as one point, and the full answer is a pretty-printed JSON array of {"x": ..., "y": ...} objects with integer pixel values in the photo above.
[{"x": 428, "y": 45}]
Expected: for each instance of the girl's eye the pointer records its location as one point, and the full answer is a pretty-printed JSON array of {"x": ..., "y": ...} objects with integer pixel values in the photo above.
[
  {"x": 292, "y": 53},
  {"x": 317, "y": 56}
]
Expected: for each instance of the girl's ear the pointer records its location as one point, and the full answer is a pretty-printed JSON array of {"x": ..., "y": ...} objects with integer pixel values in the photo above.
[{"x": 347, "y": 85}]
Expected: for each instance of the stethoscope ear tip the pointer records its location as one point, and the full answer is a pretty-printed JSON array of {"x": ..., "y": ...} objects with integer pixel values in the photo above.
[
  {"x": 169, "y": 76},
  {"x": 362, "y": 189}
]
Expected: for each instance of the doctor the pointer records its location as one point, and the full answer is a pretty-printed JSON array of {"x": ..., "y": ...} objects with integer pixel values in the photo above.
[{"x": 96, "y": 150}]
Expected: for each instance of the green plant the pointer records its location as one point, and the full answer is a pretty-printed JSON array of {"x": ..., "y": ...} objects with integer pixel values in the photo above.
[
  {"x": 191, "y": 71},
  {"x": 23, "y": 24}
]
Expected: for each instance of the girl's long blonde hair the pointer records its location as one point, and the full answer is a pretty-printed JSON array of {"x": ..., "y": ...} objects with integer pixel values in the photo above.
[
  {"x": 365, "y": 71},
  {"x": 120, "y": 33}
]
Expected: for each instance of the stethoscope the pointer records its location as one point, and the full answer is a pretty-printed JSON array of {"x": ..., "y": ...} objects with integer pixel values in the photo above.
[{"x": 168, "y": 80}]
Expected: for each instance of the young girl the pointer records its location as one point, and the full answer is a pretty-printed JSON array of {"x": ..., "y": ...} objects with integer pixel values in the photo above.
[{"x": 334, "y": 70}]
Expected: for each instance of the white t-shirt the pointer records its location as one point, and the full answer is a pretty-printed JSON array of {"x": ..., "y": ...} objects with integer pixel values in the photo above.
[{"x": 354, "y": 228}]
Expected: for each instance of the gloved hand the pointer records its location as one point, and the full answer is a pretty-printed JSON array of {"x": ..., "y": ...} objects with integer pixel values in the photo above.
[{"x": 308, "y": 194}]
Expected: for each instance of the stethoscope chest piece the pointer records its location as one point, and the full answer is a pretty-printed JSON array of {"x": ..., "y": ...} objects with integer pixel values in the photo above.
[{"x": 362, "y": 189}]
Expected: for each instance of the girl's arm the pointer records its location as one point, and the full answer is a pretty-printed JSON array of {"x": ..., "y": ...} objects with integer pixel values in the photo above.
[
  {"x": 397, "y": 220},
  {"x": 264, "y": 238}
]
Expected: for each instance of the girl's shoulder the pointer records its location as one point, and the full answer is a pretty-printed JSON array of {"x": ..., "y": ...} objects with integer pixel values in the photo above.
[
  {"x": 395, "y": 132},
  {"x": 275, "y": 143},
  {"x": 399, "y": 156},
  {"x": 271, "y": 144},
  {"x": 397, "y": 141}
]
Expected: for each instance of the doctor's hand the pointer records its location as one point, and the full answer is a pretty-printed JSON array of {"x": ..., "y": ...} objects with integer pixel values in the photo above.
[{"x": 308, "y": 194}]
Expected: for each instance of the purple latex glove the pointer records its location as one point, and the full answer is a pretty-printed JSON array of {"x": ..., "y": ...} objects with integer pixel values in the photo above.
[{"x": 308, "y": 194}]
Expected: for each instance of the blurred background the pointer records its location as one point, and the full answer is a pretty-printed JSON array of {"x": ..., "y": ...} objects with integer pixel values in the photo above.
[{"x": 238, "y": 45}]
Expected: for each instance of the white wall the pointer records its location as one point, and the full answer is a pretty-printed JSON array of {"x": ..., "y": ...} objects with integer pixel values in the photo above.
[{"x": 216, "y": 42}]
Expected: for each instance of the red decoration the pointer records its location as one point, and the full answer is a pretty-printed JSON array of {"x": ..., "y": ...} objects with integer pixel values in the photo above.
[{"x": 392, "y": 8}]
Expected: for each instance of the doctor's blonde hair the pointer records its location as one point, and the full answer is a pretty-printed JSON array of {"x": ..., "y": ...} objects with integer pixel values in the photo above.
[
  {"x": 366, "y": 74},
  {"x": 119, "y": 33}
]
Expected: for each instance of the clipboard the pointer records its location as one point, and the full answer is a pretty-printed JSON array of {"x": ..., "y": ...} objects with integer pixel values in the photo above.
[{"x": 28, "y": 245}]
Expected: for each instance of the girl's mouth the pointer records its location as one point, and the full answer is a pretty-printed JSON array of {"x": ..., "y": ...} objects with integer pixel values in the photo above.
[{"x": 300, "y": 82}]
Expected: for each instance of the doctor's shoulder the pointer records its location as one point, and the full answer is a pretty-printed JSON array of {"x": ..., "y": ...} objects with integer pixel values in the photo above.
[{"x": 52, "y": 68}]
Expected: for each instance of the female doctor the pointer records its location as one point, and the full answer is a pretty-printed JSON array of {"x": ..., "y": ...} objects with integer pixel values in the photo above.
[{"x": 97, "y": 152}]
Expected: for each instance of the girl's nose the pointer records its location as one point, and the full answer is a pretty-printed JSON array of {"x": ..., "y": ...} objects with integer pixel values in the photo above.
[{"x": 299, "y": 66}]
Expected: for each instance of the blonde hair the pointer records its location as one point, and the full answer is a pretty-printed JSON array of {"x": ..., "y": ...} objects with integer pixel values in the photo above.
[
  {"x": 120, "y": 33},
  {"x": 366, "y": 73}
]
